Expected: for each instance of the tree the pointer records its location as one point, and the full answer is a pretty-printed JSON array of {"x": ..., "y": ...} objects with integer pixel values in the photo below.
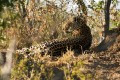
[
  {"x": 108, "y": 41},
  {"x": 107, "y": 17}
]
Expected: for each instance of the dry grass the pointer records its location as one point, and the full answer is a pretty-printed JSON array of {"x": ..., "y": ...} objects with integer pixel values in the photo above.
[{"x": 86, "y": 66}]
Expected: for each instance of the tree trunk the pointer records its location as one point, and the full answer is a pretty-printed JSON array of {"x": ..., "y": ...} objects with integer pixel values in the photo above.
[
  {"x": 105, "y": 44},
  {"x": 107, "y": 17},
  {"x": 6, "y": 61}
]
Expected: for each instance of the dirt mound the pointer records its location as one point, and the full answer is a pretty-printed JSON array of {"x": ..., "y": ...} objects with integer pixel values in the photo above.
[
  {"x": 116, "y": 45},
  {"x": 106, "y": 64}
]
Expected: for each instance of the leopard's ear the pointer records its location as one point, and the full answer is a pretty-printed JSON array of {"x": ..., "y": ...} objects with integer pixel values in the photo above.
[{"x": 80, "y": 18}]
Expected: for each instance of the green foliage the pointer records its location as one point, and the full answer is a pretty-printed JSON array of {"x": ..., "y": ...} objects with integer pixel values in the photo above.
[
  {"x": 115, "y": 21},
  {"x": 6, "y": 3},
  {"x": 97, "y": 6},
  {"x": 114, "y": 1},
  {"x": 29, "y": 67},
  {"x": 36, "y": 67},
  {"x": 7, "y": 20}
]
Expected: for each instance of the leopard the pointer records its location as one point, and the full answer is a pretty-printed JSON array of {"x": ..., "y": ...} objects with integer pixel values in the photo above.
[{"x": 81, "y": 39}]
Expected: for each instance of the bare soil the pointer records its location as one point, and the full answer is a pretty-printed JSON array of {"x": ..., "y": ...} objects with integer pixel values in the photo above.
[{"x": 106, "y": 64}]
